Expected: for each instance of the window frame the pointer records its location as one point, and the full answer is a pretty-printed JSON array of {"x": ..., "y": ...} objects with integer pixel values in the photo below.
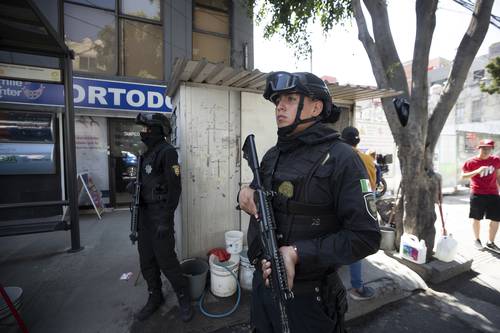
[
  {"x": 476, "y": 111},
  {"x": 459, "y": 112},
  {"x": 478, "y": 75},
  {"x": 229, "y": 36},
  {"x": 120, "y": 68}
]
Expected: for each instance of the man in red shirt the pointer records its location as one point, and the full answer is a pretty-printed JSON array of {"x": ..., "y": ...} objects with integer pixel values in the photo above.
[{"x": 484, "y": 173}]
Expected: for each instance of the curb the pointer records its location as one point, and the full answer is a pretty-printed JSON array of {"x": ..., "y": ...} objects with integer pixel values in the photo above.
[{"x": 436, "y": 271}]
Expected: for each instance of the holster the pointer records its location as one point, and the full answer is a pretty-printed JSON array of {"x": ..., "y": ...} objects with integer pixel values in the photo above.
[{"x": 335, "y": 300}]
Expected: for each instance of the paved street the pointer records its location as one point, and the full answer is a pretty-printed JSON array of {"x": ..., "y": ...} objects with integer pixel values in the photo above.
[
  {"x": 82, "y": 292},
  {"x": 467, "y": 303}
]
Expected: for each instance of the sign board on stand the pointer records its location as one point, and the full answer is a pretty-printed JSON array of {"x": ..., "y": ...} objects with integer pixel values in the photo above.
[{"x": 86, "y": 185}]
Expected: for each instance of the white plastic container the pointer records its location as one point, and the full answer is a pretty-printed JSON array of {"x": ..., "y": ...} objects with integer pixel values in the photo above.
[
  {"x": 412, "y": 249},
  {"x": 234, "y": 241},
  {"x": 446, "y": 248},
  {"x": 246, "y": 271},
  {"x": 222, "y": 282}
]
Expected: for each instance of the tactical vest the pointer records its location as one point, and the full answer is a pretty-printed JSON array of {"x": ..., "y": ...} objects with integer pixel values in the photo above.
[
  {"x": 303, "y": 207},
  {"x": 153, "y": 182}
]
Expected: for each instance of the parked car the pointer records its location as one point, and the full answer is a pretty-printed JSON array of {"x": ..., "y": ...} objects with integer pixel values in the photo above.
[{"x": 129, "y": 161}]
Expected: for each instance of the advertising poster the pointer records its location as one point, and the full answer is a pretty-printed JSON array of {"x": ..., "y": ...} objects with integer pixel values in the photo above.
[
  {"x": 87, "y": 186},
  {"x": 91, "y": 149}
]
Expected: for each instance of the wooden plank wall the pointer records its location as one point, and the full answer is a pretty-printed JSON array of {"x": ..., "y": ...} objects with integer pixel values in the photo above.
[
  {"x": 210, "y": 126},
  {"x": 258, "y": 118}
]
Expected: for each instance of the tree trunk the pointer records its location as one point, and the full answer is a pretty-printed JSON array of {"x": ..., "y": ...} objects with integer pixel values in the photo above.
[{"x": 417, "y": 141}]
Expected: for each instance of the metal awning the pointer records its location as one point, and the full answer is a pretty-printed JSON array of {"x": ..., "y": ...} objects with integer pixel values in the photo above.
[
  {"x": 23, "y": 28},
  {"x": 358, "y": 93},
  {"x": 204, "y": 72}
]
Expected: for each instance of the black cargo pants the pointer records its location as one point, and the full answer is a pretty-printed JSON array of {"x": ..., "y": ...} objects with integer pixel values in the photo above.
[
  {"x": 158, "y": 255},
  {"x": 314, "y": 308}
]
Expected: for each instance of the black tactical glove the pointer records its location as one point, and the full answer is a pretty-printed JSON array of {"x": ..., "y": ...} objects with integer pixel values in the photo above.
[{"x": 162, "y": 231}]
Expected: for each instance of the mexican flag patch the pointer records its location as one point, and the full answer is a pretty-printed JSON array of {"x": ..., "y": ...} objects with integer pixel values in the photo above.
[{"x": 365, "y": 185}]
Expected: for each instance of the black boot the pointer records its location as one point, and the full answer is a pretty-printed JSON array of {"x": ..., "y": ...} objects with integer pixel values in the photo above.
[
  {"x": 185, "y": 309},
  {"x": 155, "y": 300}
]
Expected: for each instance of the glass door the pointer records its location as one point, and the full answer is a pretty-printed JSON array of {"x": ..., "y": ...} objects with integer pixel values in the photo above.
[{"x": 124, "y": 146}]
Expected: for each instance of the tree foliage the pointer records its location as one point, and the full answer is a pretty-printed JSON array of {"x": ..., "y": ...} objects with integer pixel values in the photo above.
[
  {"x": 417, "y": 141},
  {"x": 291, "y": 18},
  {"x": 493, "y": 68}
]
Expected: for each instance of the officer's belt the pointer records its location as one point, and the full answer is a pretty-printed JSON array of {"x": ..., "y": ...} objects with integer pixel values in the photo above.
[
  {"x": 307, "y": 287},
  {"x": 287, "y": 206}
]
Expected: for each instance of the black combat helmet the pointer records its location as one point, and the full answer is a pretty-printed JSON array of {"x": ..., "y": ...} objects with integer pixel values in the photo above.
[
  {"x": 303, "y": 83},
  {"x": 155, "y": 119}
]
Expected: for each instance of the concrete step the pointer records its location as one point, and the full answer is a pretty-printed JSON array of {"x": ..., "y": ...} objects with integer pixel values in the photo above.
[{"x": 436, "y": 271}]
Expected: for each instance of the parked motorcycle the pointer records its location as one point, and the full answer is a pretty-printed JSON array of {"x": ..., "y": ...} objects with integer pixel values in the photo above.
[{"x": 382, "y": 166}]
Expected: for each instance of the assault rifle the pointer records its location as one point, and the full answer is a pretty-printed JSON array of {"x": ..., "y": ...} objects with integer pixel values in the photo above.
[
  {"x": 135, "y": 207},
  {"x": 278, "y": 279}
]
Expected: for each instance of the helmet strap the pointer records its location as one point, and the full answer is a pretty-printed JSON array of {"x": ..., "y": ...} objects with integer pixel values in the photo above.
[{"x": 287, "y": 130}]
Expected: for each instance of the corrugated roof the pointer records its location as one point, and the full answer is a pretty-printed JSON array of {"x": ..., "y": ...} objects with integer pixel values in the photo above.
[
  {"x": 358, "y": 93},
  {"x": 202, "y": 71}
]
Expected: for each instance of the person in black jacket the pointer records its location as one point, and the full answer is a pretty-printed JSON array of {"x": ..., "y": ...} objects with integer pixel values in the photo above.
[
  {"x": 324, "y": 208},
  {"x": 160, "y": 191}
]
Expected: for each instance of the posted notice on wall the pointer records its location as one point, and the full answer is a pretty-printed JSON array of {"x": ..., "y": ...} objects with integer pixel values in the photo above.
[{"x": 86, "y": 185}]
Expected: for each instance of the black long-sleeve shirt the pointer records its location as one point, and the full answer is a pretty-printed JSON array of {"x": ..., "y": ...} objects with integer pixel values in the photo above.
[
  {"x": 341, "y": 180},
  {"x": 160, "y": 177}
]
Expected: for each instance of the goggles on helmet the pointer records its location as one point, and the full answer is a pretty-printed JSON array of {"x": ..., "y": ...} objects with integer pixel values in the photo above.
[
  {"x": 282, "y": 82},
  {"x": 154, "y": 119}
]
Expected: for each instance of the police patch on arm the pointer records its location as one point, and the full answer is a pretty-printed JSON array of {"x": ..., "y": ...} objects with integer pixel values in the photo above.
[
  {"x": 177, "y": 169},
  {"x": 370, "y": 205}
]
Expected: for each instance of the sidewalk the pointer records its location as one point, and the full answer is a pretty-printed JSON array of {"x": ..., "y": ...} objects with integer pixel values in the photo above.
[{"x": 82, "y": 292}]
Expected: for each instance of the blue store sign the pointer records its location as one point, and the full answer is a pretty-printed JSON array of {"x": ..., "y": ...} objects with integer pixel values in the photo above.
[{"x": 89, "y": 93}]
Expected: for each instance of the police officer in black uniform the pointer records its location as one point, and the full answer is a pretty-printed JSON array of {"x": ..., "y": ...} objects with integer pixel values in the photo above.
[
  {"x": 160, "y": 191},
  {"x": 324, "y": 208}
]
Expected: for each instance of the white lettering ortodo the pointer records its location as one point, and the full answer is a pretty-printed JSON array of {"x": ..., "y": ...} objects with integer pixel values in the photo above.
[{"x": 134, "y": 98}]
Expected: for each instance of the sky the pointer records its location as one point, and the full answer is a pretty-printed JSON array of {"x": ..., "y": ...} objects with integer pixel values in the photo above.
[{"x": 341, "y": 54}]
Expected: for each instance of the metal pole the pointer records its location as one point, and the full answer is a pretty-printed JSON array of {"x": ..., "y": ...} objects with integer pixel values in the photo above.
[{"x": 70, "y": 154}]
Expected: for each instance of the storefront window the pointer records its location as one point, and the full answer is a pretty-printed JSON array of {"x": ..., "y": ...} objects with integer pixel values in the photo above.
[
  {"x": 149, "y": 9},
  {"x": 91, "y": 33},
  {"x": 211, "y": 33},
  {"x": 91, "y": 30},
  {"x": 142, "y": 41}
]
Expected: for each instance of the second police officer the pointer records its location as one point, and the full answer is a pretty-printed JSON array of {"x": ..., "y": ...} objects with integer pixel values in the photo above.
[
  {"x": 324, "y": 209},
  {"x": 160, "y": 191}
]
